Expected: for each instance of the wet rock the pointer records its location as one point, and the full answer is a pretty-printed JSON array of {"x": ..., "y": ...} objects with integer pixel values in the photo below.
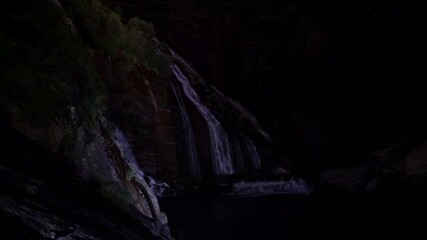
[
  {"x": 343, "y": 179},
  {"x": 278, "y": 171},
  {"x": 416, "y": 162},
  {"x": 39, "y": 199}
]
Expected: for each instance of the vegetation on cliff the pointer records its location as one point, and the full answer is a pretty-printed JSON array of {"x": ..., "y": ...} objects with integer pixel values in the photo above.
[
  {"x": 52, "y": 57},
  {"x": 62, "y": 63}
]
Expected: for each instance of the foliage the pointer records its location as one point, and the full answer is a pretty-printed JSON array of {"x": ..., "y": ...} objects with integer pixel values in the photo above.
[
  {"x": 123, "y": 44},
  {"x": 100, "y": 26},
  {"x": 43, "y": 63},
  {"x": 37, "y": 94}
]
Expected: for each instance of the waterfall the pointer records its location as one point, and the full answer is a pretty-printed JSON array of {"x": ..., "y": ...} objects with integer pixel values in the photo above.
[
  {"x": 127, "y": 153},
  {"x": 147, "y": 191},
  {"x": 190, "y": 144},
  {"x": 220, "y": 146},
  {"x": 253, "y": 153},
  {"x": 238, "y": 157}
]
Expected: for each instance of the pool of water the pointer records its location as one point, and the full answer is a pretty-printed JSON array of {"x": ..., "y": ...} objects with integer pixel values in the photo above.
[{"x": 203, "y": 216}]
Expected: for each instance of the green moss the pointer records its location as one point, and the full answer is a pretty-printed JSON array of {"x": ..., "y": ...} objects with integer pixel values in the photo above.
[
  {"x": 123, "y": 44},
  {"x": 44, "y": 64},
  {"x": 38, "y": 94},
  {"x": 103, "y": 28},
  {"x": 6, "y": 46}
]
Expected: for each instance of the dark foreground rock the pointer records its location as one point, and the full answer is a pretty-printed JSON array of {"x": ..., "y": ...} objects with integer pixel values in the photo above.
[
  {"x": 401, "y": 167},
  {"x": 41, "y": 199}
]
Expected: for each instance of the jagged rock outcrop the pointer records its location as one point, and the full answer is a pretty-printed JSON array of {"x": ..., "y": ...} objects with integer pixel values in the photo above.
[
  {"x": 53, "y": 92},
  {"x": 73, "y": 75},
  {"x": 400, "y": 167},
  {"x": 42, "y": 198}
]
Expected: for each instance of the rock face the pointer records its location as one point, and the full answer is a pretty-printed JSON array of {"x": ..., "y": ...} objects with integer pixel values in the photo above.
[
  {"x": 41, "y": 198},
  {"x": 96, "y": 159},
  {"x": 73, "y": 75},
  {"x": 322, "y": 69},
  {"x": 344, "y": 179},
  {"x": 401, "y": 167},
  {"x": 416, "y": 161},
  {"x": 53, "y": 103}
]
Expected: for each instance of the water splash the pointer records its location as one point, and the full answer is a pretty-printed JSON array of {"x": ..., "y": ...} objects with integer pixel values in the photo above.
[
  {"x": 293, "y": 186},
  {"x": 220, "y": 146},
  {"x": 159, "y": 188}
]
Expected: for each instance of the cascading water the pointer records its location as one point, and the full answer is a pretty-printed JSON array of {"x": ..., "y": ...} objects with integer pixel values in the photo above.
[
  {"x": 253, "y": 153},
  {"x": 220, "y": 146},
  {"x": 190, "y": 144},
  {"x": 149, "y": 196},
  {"x": 128, "y": 154},
  {"x": 237, "y": 154}
]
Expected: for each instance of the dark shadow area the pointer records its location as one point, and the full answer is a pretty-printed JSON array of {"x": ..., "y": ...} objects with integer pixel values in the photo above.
[
  {"x": 333, "y": 216},
  {"x": 40, "y": 193}
]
